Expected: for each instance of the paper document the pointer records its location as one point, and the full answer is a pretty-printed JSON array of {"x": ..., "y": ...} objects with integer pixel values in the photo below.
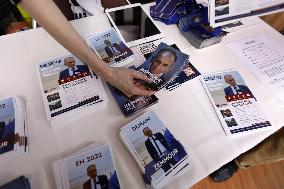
[
  {"x": 265, "y": 59},
  {"x": 227, "y": 11},
  {"x": 236, "y": 106}
]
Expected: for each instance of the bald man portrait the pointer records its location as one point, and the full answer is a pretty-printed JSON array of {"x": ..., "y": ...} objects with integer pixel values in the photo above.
[
  {"x": 234, "y": 88},
  {"x": 162, "y": 63},
  {"x": 95, "y": 181},
  {"x": 72, "y": 68},
  {"x": 158, "y": 148}
]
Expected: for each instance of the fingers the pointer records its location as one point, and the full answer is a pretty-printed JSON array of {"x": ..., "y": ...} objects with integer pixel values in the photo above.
[
  {"x": 130, "y": 82},
  {"x": 138, "y": 75},
  {"x": 142, "y": 91}
]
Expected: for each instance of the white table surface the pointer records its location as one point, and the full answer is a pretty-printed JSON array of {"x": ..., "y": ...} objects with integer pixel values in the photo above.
[{"x": 187, "y": 111}]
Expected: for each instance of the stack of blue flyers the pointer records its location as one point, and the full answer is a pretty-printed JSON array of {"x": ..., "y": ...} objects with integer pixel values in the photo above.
[{"x": 13, "y": 129}]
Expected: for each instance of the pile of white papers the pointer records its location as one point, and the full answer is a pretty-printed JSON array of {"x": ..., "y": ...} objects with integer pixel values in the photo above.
[
  {"x": 70, "y": 90},
  {"x": 265, "y": 58},
  {"x": 159, "y": 155},
  {"x": 93, "y": 167},
  {"x": 13, "y": 129}
]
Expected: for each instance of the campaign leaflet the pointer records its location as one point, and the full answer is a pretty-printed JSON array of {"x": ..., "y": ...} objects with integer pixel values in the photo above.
[
  {"x": 236, "y": 106},
  {"x": 164, "y": 64},
  {"x": 158, "y": 153},
  {"x": 131, "y": 105},
  {"x": 68, "y": 84},
  {"x": 188, "y": 73},
  {"x": 13, "y": 131},
  {"x": 94, "y": 166},
  {"x": 110, "y": 47}
]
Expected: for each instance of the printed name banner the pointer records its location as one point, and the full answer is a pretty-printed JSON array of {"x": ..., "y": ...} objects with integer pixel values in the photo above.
[
  {"x": 158, "y": 153},
  {"x": 110, "y": 47},
  {"x": 236, "y": 106}
]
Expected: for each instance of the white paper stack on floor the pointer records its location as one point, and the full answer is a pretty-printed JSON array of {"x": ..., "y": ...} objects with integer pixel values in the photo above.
[
  {"x": 13, "y": 129},
  {"x": 70, "y": 89},
  {"x": 93, "y": 167},
  {"x": 159, "y": 155}
]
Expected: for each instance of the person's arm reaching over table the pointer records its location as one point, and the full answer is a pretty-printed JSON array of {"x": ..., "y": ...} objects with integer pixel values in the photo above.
[{"x": 53, "y": 21}]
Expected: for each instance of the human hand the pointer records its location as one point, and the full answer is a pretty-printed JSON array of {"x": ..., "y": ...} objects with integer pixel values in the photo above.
[{"x": 126, "y": 81}]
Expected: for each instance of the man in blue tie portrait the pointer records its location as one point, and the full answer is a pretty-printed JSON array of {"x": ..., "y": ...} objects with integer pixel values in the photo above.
[
  {"x": 95, "y": 181},
  {"x": 158, "y": 148},
  {"x": 234, "y": 88},
  {"x": 112, "y": 50},
  {"x": 72, "y": 68}
]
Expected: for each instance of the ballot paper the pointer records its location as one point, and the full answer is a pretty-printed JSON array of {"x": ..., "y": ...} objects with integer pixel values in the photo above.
[{"x": 265, "y": 58}]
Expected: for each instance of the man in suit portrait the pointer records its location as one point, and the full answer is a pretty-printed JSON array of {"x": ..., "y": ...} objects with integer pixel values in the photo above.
[
  {"x": 233, "y": 88},
  {"x": 95, "y": 181},
  {"x": 162, "y": 63},
  {"x": 112, "y": 50},
  {"x": 158, "y": 148},
  {"x": 72, "y": 68}
]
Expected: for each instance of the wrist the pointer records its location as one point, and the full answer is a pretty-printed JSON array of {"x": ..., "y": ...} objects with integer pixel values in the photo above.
[
  {"x": 106, "y": 72},
  {"x": 101, "y": 68}
]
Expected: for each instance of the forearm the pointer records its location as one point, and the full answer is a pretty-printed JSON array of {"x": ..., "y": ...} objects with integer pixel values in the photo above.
[{"x": 54, "y": 22}]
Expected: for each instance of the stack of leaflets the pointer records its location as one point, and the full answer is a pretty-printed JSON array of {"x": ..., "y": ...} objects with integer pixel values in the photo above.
[
  {"x": 21, "y": 182},
  {"x": 164, "y": 65},
  {"x": 131, "y": 105},
  {"x": 110, "y": 48},
  {"x": 93, "y": 167},
  {"x": 161, "y": 67},
  {"x": 160, "y": 156},
  {"x": 189, "y": 72},
  {"x": 13, "y": 128},
  {"x": 236, "y": 106},
  {"x": 70, "y": 89}
]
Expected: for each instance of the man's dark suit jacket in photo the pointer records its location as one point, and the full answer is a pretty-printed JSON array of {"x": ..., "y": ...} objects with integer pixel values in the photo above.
[
  {"x": 110, "y": 52},
  {"x": 80, "y": 68},
  {"x": 103, "y": 181},
  {"x": 242, "y": 88},
  {"x": 151, "y": 149}
]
